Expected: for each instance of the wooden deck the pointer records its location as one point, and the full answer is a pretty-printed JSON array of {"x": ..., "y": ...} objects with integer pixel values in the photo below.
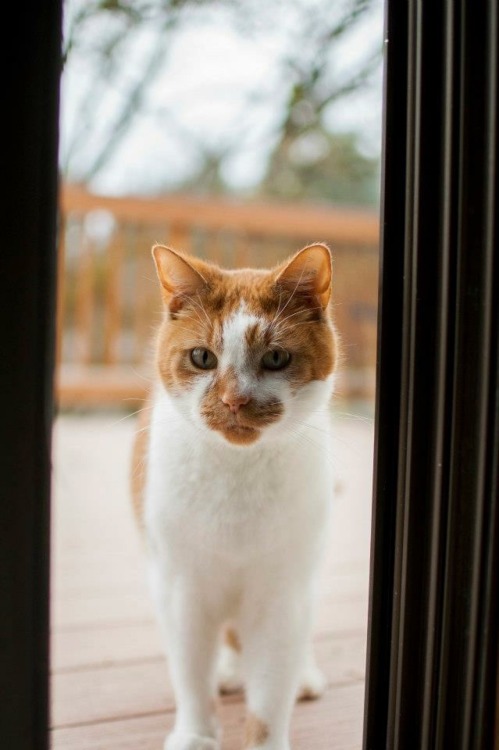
[{"x": 110, "y": 686}]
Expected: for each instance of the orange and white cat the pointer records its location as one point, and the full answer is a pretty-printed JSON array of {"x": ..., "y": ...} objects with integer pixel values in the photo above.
[{"x": 235, "y": 495}]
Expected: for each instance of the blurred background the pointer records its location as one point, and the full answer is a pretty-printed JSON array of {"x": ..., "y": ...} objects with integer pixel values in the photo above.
[{"x": 237, "y": 131}]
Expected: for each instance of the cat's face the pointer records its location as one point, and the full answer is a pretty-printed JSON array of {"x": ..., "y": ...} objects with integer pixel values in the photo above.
[{"x": 246, "y": 354}]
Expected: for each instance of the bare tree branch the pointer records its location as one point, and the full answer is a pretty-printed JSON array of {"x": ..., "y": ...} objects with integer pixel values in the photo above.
[{"x": 132, "y": 105}]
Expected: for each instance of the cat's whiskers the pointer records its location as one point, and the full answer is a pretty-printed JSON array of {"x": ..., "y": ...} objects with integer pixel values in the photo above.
[
  {"x": 210, "y": 322},
  {"x": 183, "y": 328},
  {"x": 313, "y": 426},
  {"x": 309, "y": 439},
  {"x": 278, "y": 312},
  {"x": 332, "y": 433},
  {"x": 299, "y": 312},
  {"x": 140, "y": 375},
  {"x": 198, "y": 320},
  {"x": 128, "y": 416},
  {"x": 199, "y": 304},
  {"x": 288, "y": 329},
  {"x": 276, "y": 318},
  {"x": 358, "y": 417}
]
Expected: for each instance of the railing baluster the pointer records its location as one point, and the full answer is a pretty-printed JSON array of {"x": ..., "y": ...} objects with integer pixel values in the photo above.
[
  {"x": 113, "y": 297},
  {"x": 61, "y": 290},
  {"x": 144, "y": 293},
  {"x": 84, "y": 279}
]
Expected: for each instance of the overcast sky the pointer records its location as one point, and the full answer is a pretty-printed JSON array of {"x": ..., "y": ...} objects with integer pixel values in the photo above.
[{"x": 218, "y": 84}]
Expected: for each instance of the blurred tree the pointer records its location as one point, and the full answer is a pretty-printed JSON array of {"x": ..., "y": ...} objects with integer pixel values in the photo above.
[
  {"x": 308, "y": 161},
  {"x": 103, "y": 34},
  {"x": 306, "y": 158},
  {"x": 316, "y": 165}
]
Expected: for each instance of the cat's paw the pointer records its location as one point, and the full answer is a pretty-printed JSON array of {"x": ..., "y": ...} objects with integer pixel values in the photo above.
[
  {"x": 312, "y": 685},
  {"x": 187, "y": 741}
]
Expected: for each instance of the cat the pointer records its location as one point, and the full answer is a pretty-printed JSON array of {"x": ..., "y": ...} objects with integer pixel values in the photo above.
[{"x": 232, "y": 489}]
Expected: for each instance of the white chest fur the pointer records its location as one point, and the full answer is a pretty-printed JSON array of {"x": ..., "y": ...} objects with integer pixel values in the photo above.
[{"x": 205, "y": 496}]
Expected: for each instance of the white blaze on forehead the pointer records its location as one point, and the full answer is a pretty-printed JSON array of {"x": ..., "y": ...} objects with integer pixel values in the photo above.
[{"x": 234, "y": 343}]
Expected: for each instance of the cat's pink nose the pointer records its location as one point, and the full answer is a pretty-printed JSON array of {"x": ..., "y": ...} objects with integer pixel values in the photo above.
[{"x": 234, "y": 401}]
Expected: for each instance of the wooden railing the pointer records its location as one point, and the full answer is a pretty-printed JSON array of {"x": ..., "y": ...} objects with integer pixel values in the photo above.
[{"x": 108, "y": 301}]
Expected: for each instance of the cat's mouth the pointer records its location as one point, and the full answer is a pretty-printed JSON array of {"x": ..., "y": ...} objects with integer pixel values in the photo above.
[
  {"x": 246, "y": 425},
  {"x": 235, "y": 431}
]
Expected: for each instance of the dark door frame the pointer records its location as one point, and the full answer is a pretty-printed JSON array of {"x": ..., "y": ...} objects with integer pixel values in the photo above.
[
  {"x": 432, "y": 649},
  {"x": 433, "y": 643},
  {"x": 29, "y": 71}
]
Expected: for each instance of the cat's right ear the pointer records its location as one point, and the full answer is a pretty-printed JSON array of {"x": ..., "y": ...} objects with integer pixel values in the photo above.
[{"x": 176, "y": 274}]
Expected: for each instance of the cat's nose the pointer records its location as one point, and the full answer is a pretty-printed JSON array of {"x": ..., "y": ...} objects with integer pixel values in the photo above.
[{"x": 234, "y": 401}]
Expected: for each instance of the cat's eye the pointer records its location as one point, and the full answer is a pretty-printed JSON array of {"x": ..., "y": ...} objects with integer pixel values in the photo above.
[
  {"x": 203, "y": 358},
  {"x": 276, "y": 359}
]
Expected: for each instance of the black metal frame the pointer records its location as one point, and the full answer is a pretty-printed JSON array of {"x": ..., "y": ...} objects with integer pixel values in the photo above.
[
  {"x": 433, "y": 649},
  {"x": 29, "y": 72}
]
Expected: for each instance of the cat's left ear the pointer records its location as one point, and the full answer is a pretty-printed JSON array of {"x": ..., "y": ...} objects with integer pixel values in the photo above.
[
  {"x": 310, "y": 271},
  {"x": 176, "y": 272}
]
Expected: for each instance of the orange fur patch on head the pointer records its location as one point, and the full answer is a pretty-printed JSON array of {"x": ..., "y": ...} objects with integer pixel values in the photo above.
[
  {"x": 256, "y": 732},
  {"x": 251, "y": 334}
]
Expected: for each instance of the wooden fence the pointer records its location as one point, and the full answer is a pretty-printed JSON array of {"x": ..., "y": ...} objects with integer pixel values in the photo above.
[{"x": 108, "y": 300}]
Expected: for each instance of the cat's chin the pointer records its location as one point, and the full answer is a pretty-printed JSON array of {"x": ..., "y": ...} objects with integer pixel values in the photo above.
[{"x": 239, "y": 435}]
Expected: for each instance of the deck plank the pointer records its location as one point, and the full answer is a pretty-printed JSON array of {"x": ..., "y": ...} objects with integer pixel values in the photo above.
[
  {"x": 331, "y": 723},
  {"x": 116, "y": 691}
]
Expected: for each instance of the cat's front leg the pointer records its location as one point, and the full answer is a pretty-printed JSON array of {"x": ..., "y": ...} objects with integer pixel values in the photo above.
[
  {"x": 190, "y": 629},
  {"x": 275, "y": 636}
]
